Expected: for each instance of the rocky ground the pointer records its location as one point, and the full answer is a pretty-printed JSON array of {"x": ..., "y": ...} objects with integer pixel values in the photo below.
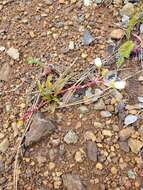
[{"x": 87, "y": 147}]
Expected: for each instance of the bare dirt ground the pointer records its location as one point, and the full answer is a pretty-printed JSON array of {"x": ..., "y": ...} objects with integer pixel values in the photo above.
[{"x": 101, "y": 158}]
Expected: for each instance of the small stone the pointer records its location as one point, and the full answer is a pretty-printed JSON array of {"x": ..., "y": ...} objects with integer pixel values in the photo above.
[
  {"x": 130, "y": 119},
  {"x": 1, "y": 7},
  {"x": 84, "y": 55},
  {"x": 114, "y": 170},
  {"x": 98, "y": 124},
  {"x": 117, "y": 34},
  {"x": 83, "y": 109},
  {"x": 87, "y": 2},
  {"x": 2, "y": 49},
  {"x": 51, "y": 165},
  {"x": 135, "y": 145},
  {"x": 41, "y": 159},
  {"x": 117, "y": 2},
  {"x": 13, "y": 53},
  {"x": 140, "y": 130},
  {"x": 1, "y": 135},
  {"x": 49, "y": 2},
  {"x": 61, "y": 1},
  {"x": 105, "y": 114},
  {"x": 39, "y": 128},
  {"x": 57, "y": 184},
  {"x": 140, "y": 79},
  {"x": 99, "y": 166},
  {"x": 72, "y": 182},
  {"x": 124, "y": 146},
  {"x": 125, "y": 20},
  {"x": 71, "y": 45},
  {"x": 5, "y": 72},
  {"x": 79, "y": 156},
  {"x": 92, "y": 151},
  {"x": 31, "y": 33},
  {"x": 4, "y": 145},
  {"x": 128, "y": 10},
  {"x": 140, "y": 99},
  {"x": 89, "y": 135},
  {"x": 99, "y": 105},
  {"x": 125, "y": 133},
  {"x": 131, "y": 174},
  {"x": 87, "y": 38},
  {"x": 71, "y": 137},
  {"x": 98, "y": 1},
  {"x": 141, "y": 28},
  {"x": 107, "y": 133},
  {"x": 78, "y": 125},
  {"x": 15, "y": 129}
]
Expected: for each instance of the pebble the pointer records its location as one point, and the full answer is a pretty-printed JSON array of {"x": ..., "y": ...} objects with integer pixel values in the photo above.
[
  {"x": 87, "y": 2},
  {"x": 83, "y": 109},
  {"x": 5, "y": 72},
  {"x": 79, "y": 156},
  {"x": 2, "y": 48},
  {"x": 125, "y": 20},
  {"x": 124, "y": 146},
  {"x": 99, "y": 166},
  {"x": 1, "y": 135},
  {"x": 140, "y": 99},
  {"x": 4, "y": 145},
  {"x": 141, "y": 28},
  {"x": 105, "y": 114},
  {"x": 99, "y": 105},
  {"x": 92, "y": 151},
  {"x": 48, "y": 2},
  {"x": 13, "y": 53},
  {"x": 130, "y": 119},
  {"x": 39, "y": 128},
  {"x": 71, "y": 45},
  {"x": 57, "y": 183},
  {"x": 98, "y": 1},
  {"x": 98, "y": 124},
  {"x": 125, "y": 133},
  {"x": 51, "y": 165},
  {"x": 89, "y": 135},
  {"x": 71, "y": 137},
  {"x": 87, "y": 38},
  {"x": 107, "y": 133},
  {"x": 131, "y": 174},
  {"x": 72, "y": 182},
  {"x": 135, "y": 145},
  {"x": 128, "y": 10},
  {"x": 117, "y": 34},
  {"x": 114, "y": 170}
]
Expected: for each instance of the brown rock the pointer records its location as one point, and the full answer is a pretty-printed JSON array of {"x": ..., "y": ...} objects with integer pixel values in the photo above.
[
  {"x": 40, "y": 128},
  {"x": 125, "y": 133},
  {"x": 72, "y": 182},
  {"x": 5, "y": 72},
  {"x": 92, "y": 151},
  {"x": 117, "y": 34}
]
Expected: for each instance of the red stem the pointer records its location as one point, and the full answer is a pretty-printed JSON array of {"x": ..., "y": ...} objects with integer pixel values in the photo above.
[{"x": 42, "y": 104}]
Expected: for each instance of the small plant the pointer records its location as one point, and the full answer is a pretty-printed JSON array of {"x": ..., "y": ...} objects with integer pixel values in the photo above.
[
  {"x": 33, "y": 61},
  {"x": 51, "y": 89},
  {"x": 125, "y": 51}
]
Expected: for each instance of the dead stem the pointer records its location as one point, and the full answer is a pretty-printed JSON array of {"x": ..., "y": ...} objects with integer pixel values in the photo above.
[{"x": 27, "y": 125}]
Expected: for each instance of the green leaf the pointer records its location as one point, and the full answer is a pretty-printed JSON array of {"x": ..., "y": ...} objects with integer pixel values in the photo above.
[
  {"x": 33, "y": 61},
  {"x": 132, "y": 22},
  {"x": 125, "y": 52},
  {"x": 126, "y": 49}
]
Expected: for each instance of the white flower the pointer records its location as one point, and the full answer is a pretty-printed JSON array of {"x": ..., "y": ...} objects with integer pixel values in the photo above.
[
  {"x": 98, "y": 62},
  {"x": 120, "y": 84}
]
